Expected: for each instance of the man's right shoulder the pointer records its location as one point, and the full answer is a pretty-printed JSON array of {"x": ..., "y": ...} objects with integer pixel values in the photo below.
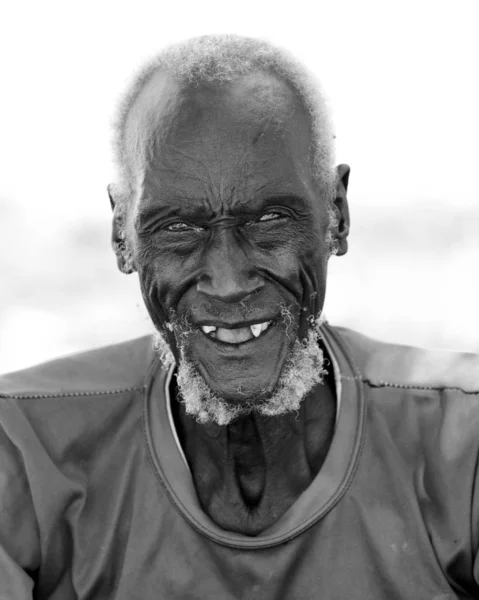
[{"x": 115, "y": 368}]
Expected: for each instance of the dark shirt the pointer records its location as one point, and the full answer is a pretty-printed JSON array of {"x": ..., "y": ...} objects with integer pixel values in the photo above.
[{"x": 96, "y": 501}]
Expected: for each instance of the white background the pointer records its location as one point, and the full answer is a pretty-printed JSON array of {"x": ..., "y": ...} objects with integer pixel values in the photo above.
[{"x": 402, "y": 79}]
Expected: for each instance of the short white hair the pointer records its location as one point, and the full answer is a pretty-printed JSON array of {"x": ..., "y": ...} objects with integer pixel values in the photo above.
[{"x": 222, "y": 59}]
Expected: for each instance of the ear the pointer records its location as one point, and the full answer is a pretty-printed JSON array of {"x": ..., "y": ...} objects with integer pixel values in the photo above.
[
  {"x": 118, "y": 240},
  {"x": 342, "y": 209}
]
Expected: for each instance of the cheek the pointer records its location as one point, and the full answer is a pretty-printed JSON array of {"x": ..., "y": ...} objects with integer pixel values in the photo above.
[
  {"x": 161, "y": 274},
  {"x": 313, "y": 262},
  {"x": 157, "y": 281},
  {"x": 287, "y": 251}
]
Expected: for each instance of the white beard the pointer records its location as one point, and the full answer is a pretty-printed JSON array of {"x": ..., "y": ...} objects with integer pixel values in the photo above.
[{"x": 303, "y": 369}]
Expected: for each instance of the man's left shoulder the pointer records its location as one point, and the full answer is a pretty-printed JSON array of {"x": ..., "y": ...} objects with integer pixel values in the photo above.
[{"x": 395, "y": 365}]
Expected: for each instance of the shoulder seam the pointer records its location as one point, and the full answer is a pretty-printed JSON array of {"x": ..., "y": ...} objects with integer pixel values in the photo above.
[
  {"x": 381, "y": 383},
  {"x": 69, "y": 394}
]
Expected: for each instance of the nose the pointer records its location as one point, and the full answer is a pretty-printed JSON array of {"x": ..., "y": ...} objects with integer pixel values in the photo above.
[{"x": 229, "y": 272}]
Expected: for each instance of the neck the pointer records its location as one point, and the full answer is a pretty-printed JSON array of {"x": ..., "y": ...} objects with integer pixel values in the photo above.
[{"x": 248, "y": 473}]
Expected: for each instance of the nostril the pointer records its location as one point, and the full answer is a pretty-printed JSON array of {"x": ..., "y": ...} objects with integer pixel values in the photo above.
[
  {"x": 229, "y": 295},
  {"x": 228, "y": 290}
]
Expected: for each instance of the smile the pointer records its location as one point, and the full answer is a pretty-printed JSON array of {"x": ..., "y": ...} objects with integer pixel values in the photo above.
[{"x": 238, "y": 335}]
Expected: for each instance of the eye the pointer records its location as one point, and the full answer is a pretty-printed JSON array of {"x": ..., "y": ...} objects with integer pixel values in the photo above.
[
  {"x": 266, "y": 218},
  {"x": 181, "y": 226},
  {"x": 270, "y": 216}
]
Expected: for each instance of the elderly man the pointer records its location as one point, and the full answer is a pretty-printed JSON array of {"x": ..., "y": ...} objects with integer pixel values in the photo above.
[{"x": 250, "y": 450}]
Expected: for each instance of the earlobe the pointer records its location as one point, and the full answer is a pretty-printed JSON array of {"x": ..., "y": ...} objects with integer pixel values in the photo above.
[{"x": 124, "y": 259}]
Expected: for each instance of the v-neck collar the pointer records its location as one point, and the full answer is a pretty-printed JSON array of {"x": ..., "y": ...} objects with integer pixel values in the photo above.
[{"x": 325, "y": 490}]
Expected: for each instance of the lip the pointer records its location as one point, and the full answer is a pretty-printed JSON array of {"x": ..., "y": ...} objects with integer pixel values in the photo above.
[
  {"x": 243, "y": 347},
  {"x": 235, "y": 324}
]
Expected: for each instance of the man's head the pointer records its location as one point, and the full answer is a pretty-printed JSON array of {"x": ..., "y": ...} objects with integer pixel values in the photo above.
[{"x": 228, "y": 207}]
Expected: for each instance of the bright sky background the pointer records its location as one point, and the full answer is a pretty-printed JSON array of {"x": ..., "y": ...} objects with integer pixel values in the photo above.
[{"x": 402, "y": 79}]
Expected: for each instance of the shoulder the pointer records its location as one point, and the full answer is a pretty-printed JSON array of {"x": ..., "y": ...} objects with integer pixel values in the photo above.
[
  {"x": 422, "y": 424},
  {"x": 63, "y": 424},
  {"x": 81, "y": 400},
  {"x": 114, "y": 368},
  {"x": 395, "y": 365}
]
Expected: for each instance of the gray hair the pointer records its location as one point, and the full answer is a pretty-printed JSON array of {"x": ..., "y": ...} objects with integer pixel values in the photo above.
[{"x": 221, "y": 59}]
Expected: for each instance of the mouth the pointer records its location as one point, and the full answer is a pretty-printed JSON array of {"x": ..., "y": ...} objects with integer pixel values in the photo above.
[{"x": 236, "y": 335}]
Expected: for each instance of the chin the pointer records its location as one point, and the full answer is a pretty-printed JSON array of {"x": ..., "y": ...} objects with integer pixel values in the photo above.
[{"x": 302, "y": 369}]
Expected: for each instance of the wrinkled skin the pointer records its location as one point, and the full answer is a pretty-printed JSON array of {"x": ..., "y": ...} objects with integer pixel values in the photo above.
[{"x": 226, "y": 225}]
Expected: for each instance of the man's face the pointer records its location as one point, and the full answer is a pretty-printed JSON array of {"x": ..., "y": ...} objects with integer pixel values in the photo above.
[{"x": 228, "y": 227}]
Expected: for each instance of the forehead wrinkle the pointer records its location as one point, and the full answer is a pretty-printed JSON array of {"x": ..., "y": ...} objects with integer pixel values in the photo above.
[
  {"x": 168, "y": 200},
  {"x": 174, "y": 206},
  {"x": 228, "y": 189},
  {"x": 235, "y": 183},
  {"x": 180, "y": 166},
  {"x": 160, "y": 193},
  {"x": 168, "y": 176}
]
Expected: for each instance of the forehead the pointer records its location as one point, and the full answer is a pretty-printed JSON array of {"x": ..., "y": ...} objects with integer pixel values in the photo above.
[{"x": 232, "y": 141}]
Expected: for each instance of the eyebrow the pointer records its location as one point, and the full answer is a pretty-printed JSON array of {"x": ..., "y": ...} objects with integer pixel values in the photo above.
[
  {"x": 199, "y": 209},
  {"x": 297, "y": 202},
  {"x": 192, "y": 208}
]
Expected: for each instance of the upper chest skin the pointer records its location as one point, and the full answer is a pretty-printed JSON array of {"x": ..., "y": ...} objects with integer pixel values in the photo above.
[{"x": 249, "y": 473}]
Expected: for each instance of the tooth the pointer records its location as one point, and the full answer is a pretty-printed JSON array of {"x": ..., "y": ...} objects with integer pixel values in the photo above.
[
  {"x": 256, "y": 329},
  {"x": 265, "y": 325},
  {"x": 208, "y": 328}
]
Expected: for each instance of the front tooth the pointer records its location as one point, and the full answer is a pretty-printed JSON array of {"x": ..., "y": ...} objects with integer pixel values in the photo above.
[
  {"x": 208, "y": 328},
  {"x": 256, "y": 329}
]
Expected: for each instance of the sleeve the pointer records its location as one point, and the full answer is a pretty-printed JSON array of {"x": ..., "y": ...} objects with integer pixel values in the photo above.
[{"x": 19, "y": 532}]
